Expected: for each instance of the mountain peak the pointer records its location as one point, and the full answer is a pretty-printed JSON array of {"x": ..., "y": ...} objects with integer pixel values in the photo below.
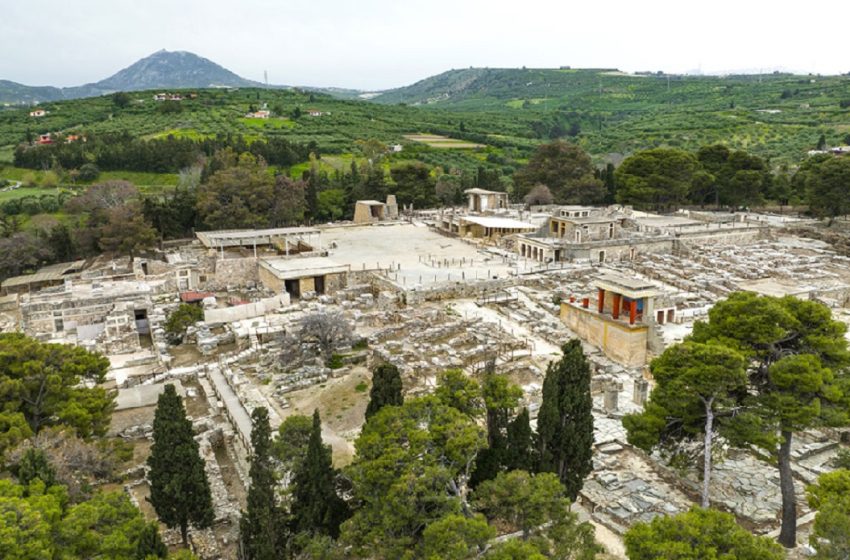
[{"x": 171, "y": 69}]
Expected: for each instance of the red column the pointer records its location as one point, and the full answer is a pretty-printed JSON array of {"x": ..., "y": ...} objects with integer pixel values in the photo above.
[
  {"x": 615, "y": 308},
  {"x": 601, "y": 300},
  {"x": 633, "y": 312}
]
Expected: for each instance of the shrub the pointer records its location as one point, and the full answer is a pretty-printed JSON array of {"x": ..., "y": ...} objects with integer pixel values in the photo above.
[
  {"x": 181, "y": 319},
  {"x": 88, "y": 172},
  {"x": 335, "y": 362}
]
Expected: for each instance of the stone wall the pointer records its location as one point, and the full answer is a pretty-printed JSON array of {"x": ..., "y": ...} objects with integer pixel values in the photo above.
[
  {"x": 732, "y": 236},
  {"x": 456, "y": 290},
  {"x": 234, "y": 272},
  {"x": 270, "y": 280},
  {"x": 246, "y": 311},
  {"x": 618, "y": 249},
  {"x": 626, "y": 345}
]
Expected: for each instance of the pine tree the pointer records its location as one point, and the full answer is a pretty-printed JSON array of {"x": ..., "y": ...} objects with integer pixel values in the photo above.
[
  {"x": 180, "y": 492},
  {"x": 316, "y": 508},
  {"x": 565, "y": 420},
  {"x": 519, "y": 448},
  {"x": 386, "y": 389},
  {"x": 260, "y": 527}
]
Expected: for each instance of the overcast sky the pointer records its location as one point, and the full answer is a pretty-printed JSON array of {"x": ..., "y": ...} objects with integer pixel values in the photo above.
[{"x": 371, "y": 44}]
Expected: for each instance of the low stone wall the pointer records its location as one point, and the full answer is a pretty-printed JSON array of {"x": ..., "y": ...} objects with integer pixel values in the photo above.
[
  {"x": 732, "y": 236},
  {"x": 246, "y": 311}
]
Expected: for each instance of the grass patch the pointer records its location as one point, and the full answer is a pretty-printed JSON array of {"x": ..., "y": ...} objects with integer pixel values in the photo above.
[
  {"x": 25, "y": 191},
  {"x": 188, "y": 133},
  {"x": 269, "y": 124},
  {"x": 361, "y": 387},
  {"x": 140, "y": 178}
]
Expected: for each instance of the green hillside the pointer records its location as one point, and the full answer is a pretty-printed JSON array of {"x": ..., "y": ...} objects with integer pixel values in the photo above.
[
  {"x": 608, "y": 113},
  {"x": 779, "y": 115}
]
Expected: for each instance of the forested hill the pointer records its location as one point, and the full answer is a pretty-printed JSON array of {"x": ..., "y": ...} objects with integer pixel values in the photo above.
[
  {"x": 501, "y": 114},
  {"x": 609, "y": 89}
]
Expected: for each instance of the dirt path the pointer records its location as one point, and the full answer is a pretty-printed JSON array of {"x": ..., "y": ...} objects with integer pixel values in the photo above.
[
  {"x": 341, "y": 402},
  {"x": 612, "y": 542}
]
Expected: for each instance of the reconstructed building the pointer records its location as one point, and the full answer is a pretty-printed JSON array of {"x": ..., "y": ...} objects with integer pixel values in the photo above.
[
  {"x": 619, "y": 319},
  {"x": 481, "y": 200},
  {"x": 53, "y": 275},
  {"x": 279, "y": 240},
  {"x": 368, "y": 211},
  {"x": 296, "y": 277}
]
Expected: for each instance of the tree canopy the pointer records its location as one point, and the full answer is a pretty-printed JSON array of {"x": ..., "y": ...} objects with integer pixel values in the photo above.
[
  {"x": 797, "y": 356},
  {"x": 657, "y": 178},
  {"x": 43, "y": 384},
  {"x": 831, "y": 497},
  {"x": 699, "y": 534},
  {"x": 565, "y": 169},
  {"x": 827, "y": 186},
  {"x": 695, "y": 383}
]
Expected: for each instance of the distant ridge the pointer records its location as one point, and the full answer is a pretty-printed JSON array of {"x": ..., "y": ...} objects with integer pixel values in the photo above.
[{"x": 163, "y": 69}]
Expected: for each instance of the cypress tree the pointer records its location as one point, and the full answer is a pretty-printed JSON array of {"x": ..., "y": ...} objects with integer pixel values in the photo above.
[
  {"x": 386, "y": 389},
  {"x": 150, "y": 544},
  {"x": 311, "y": 195},
  {"x": 180, "y": 492},
  {"x": 519, "y": 451},
  {"x": 316, "y": 508},
  {"x": 259, "y": 527},
  {"x": 500, "y": 399},
  {"x": 565, "y": 420}
]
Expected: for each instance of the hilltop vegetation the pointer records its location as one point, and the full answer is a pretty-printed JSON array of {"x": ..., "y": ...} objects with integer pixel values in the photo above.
[
  {"x": 777, "y": 116},
  {"x": 607, "y": 113},
  {"x": 216, "y": 112}
]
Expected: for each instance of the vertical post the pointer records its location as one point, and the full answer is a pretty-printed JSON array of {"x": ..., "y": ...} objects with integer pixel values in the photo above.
[
  {"x": 601, "y": 300},
  {"x": 615, "y": 308},
  {"x": 632, "y": 312}
]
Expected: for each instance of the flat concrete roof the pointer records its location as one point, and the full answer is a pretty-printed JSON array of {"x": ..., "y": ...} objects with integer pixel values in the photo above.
[
  {"x": 483, "y": 191},
  {"x": 143, "y": 395},
  {"x": 494, "y": 222},
  {"x": 53, "y": 272},
  {"x": 235, "y": 238},
  {"x": 586, "y": 219},
  {"x": 667, "y": 221},
  {"x": 370, "y": 203},
  {"x": 629, "y": 286},
  {"x": 289, "y": 269}
]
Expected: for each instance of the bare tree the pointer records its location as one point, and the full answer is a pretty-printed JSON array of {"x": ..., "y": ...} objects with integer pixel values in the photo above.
[
  {"x": 104, "y": 196},
  {"x": 540, "y": 194},
  {"x": 327, "y": 329},
  {"x": 76, "y": 463}
]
